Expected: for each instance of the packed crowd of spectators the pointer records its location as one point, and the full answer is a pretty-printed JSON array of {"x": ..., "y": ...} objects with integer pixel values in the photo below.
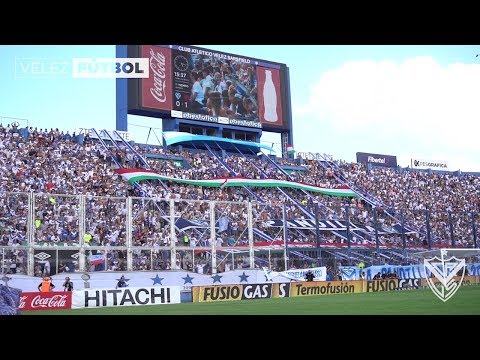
[
  {"x": 223, "y": 88},
  {"x": 54, "y": 167}
]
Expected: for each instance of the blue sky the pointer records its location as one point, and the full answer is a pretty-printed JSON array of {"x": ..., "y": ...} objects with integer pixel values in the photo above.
[{"x": 409, "y": 101}]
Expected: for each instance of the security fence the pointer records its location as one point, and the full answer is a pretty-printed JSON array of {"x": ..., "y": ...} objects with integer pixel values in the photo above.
[{"x": 51, "y": 233}]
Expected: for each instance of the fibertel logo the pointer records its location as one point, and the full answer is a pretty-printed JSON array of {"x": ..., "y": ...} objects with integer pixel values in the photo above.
[{"x": 444, "y": 270}]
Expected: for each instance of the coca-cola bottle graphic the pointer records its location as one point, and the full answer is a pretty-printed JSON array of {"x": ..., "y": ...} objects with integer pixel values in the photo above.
[{"x": 269, "y": 98}]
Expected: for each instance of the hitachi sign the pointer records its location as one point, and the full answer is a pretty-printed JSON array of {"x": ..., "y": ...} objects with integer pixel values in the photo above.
[{"x": 371, "y": 159}]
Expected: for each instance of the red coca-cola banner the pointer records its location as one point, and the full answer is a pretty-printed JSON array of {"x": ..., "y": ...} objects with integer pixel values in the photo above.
[
  {"x": 269, "y": 96},
  {"x": 46, "y": 301},
  {"x": 157, "y": 89}
]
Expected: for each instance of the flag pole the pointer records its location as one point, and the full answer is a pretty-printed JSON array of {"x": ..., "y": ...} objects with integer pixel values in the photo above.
[{"x": 285, "y": 237}]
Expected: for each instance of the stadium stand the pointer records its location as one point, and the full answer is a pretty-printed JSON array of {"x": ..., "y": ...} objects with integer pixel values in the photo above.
[{"x": 64, "y": 204}]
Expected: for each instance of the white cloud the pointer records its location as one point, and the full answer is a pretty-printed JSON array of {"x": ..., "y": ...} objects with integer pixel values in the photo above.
[{"x": 416, "y": 106}]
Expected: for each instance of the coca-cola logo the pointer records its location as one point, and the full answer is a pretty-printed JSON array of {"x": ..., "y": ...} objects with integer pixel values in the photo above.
[
  {"x": 157, "y": 65},
  {"x": 22, "y": 302},
  {"x": 51, "y": 302},
  {"x": 45, "y": 301}
]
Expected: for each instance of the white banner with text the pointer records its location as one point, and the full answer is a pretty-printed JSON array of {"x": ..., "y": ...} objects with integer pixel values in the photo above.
[{"x": 127, "y": 296}]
